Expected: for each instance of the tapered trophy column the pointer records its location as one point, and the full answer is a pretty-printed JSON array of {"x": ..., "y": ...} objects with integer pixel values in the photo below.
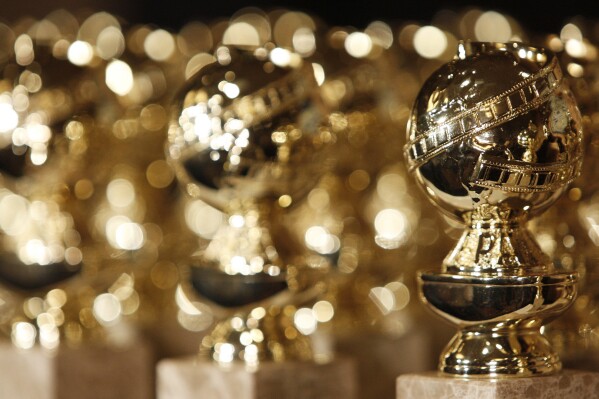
[{"x": 494, "y": 139}]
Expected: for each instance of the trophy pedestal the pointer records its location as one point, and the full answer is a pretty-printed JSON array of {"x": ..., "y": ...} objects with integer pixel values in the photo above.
[
  {"x": 569, "y": 384},
  {"x": 188, "y": 378},
  {"x": 85, "y": 372}
]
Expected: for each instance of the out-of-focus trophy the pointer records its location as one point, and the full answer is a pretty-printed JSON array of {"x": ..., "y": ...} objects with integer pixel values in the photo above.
[
  {"x": 570, "y": 238},
  {"x": 247, "y": 137},
  {"x": 363, "y": 218},
  {"x": 64, "y": 291},
  {"x": 494, "y": 139}
]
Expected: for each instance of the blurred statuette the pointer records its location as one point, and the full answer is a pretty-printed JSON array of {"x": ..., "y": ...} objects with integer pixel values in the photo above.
[
  {"x": 63, "y": 333},
  {"x": 248, "y": 138}
]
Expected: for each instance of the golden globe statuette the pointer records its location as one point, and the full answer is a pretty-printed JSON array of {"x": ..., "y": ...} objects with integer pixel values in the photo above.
[
  {"x": 494, "y": 139},
  {"x": 247, "y": 138}
]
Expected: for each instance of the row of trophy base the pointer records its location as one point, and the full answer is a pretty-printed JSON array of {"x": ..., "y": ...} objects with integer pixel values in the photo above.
[
  {"x": 128, "y": 372},
  {"x": 189, "y": 378},
  {"x": 568, "y": 384},
  {"x": 72, "y": 373}
]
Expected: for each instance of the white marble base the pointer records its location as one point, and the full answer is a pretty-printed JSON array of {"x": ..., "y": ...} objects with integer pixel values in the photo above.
[
  {"x": 569, "y": 384},
  {"x": 187, "y": 378},
  {"x": 86, "y": 372}
]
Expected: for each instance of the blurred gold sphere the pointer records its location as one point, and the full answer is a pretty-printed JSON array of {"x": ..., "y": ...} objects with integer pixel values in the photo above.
[{"x": 246, "y": 128}]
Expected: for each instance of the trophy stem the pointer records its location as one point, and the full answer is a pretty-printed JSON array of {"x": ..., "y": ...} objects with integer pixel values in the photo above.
[
  {"x": 494, "y": 350},
  {"x": 256, "y": 335},
  {"x": 244, "y": 268},
  {"x": 496, "y": 243},
  {"x": 243, "y": 244}
]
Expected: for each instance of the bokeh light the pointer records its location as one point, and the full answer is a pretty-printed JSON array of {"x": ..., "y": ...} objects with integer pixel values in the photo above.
[{"x": 430, "y": 41}]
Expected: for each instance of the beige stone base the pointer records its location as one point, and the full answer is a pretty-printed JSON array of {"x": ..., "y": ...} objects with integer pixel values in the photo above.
[
  {"x": 188, "y": 378},
  {"x": 86, "y": 372},
  {"x": 569, "y": 384}
]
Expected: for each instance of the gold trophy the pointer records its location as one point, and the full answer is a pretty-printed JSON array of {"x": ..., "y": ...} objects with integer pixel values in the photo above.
[
  {"x": 41, "y": 257},
  {"x": 247, "y": 139},
  {"x": 494, "y": 139},
  {"x": 67, "y": 289}
]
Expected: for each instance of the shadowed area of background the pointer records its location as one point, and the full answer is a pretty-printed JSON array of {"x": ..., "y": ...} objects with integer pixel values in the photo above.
[{"x": 175, "y": 13}]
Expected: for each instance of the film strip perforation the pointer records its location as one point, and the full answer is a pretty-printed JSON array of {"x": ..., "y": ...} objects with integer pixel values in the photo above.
[
  {"x": 521, "y": 177},
  {"x": 520, "y": 99}
]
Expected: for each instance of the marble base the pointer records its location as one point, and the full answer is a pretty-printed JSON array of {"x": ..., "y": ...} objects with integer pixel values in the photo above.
[
  {"x": 569, "y": 384},
  {"x": 188, "y": 378},
  {"x": 381, "y": 358},
  {"x": 86, "y": 372}
]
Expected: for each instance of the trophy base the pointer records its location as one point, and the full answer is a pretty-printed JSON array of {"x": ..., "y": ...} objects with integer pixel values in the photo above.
[
  {"x": 499, "y": 354},
  {"x": 190, "y": 377},
  {"x": 69, "y": 373},
  {"x": 499, "y": 320},
  {"x": 569, "y": 384}
]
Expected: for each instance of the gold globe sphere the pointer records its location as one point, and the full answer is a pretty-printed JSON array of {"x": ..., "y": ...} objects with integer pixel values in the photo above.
[{"x": 497, "y": 126}]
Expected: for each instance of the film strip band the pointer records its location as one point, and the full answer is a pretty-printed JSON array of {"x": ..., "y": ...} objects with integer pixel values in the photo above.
[
  {"x": 520, "y": 177},
  {"x": 278, "y": 96},
  {"x": 521, "y": 98},
  {"x": 291, "y": 90}
]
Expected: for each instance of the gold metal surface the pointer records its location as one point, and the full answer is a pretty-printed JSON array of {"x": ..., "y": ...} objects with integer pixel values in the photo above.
[
  {"x": 77, "y": 230},
  {"x": 494, "y": 138},
  {"x": 91, "y": 242}
]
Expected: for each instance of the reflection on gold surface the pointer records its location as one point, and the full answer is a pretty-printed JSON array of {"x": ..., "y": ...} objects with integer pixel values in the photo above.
[{"x": 85, "y": 105}]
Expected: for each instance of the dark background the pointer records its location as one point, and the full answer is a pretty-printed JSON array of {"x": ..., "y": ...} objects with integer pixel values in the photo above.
[{"x": 538, "y": 16}]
